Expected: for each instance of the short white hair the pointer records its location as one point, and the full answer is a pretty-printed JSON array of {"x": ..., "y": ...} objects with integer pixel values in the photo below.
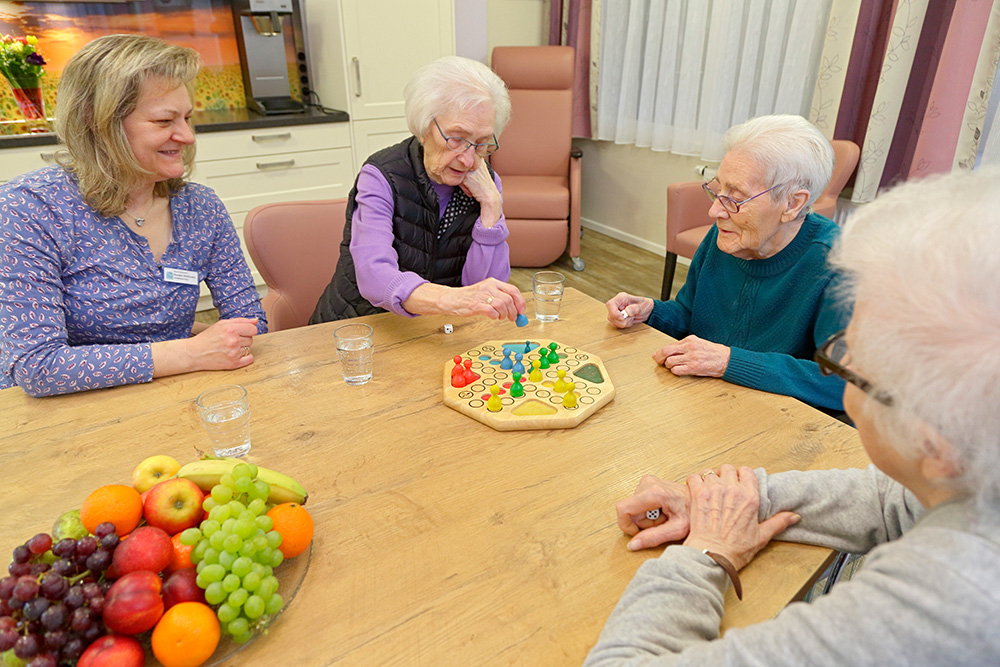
[
  {"x": 792, "y": 153},
  {"x": 454, "y": 84},
  {"x": 923, "y": 262}
]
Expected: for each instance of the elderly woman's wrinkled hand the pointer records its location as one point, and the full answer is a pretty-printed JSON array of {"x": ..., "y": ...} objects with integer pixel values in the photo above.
[
  {"x": 723, "y": 515},
  {"x": 694, "y": 356},
  {"x": 225, "y": 345},
  {"x": 493, "y": 298},
  {"x": 624, "y": 310},
  {"x": 479, "y": 185},
  {"x": 654, "y": 496}
]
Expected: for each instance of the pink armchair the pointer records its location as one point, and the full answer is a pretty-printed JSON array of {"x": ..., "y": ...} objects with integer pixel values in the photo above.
[
  {"x": 295, "y": 246},
  {"x": 539, "y": 168}
]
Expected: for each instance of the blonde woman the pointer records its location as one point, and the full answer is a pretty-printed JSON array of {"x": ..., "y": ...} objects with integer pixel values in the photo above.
[{"x": 101, "y": 257}]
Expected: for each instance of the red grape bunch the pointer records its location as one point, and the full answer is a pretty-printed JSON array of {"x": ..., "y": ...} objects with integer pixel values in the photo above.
[{"x": 51, "y": 604}]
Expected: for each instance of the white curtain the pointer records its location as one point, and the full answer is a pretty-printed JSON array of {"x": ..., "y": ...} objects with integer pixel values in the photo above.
[{"x": 676, "y": 74}]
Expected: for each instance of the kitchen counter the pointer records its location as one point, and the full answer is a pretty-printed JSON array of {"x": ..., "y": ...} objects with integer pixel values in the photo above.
[{"x": 222, "y": 120}]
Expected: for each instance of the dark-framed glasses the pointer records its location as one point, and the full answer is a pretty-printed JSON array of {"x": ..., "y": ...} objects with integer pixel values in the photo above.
[
  {"x": 833, "y": 358},
  {"x": 729, "y": 203},
  {"x": 460, "y": 145}
]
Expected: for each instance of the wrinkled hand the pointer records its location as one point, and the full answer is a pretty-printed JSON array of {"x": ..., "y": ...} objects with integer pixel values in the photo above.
[
  {"x": 723, "y": 515},
  {"x": 479, "y": 185},
  {"x": 624, "y": 310},
  {"x": 225, "y": 345},
  {"x": 490, "y": 297},
  {"x": 652, "y": 493},
  {"x": 694, "y": 356}
]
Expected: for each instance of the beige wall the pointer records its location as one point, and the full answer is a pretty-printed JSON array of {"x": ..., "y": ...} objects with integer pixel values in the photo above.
[
  {"x": 624, "y": 191},
  {"x": 517, "y": 23}
]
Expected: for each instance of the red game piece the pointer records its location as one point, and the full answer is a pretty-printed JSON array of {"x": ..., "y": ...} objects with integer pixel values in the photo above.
[{"x": 458, "y": 374}]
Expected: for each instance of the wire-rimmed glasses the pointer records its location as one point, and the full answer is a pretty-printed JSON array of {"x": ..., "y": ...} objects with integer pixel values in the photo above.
[
  {"x": 729, "y": 203},
  {"x": 833, "y": 359},
  {"x": 460, "y": 145}
]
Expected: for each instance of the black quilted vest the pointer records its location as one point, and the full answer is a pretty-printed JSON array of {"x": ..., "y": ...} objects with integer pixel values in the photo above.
[{"x": 414, "y": 224}]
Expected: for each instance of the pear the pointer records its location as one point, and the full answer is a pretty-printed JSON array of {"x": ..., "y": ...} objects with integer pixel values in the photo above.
[{"x": 69, "y": 525}]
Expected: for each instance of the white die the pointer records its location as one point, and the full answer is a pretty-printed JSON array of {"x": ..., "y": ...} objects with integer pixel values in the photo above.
[{"x": 448, "y": 328}]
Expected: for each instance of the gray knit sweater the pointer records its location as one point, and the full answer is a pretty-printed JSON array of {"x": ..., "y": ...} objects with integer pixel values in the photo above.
[{"x": 928, "y": 594}]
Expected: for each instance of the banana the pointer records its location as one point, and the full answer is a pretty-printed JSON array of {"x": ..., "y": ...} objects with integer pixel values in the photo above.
[{"x": 207, "y": 472}]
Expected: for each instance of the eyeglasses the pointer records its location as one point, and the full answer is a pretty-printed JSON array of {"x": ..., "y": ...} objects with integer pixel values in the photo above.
[
  {"x": 729, "y": 203},
  {"x": 833, "y": 359},
  {"x": 460, "y": 145}
]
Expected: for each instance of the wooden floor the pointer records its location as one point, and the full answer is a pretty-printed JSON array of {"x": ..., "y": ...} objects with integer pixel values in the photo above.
[{"x": 612, "y": 266}]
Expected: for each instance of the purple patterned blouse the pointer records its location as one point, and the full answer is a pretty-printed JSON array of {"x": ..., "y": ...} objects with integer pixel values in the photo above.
[{"x": 81, "y": 297}]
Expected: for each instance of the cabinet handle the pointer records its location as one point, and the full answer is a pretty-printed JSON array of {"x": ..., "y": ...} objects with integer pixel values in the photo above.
[
  {"x": 48, "y": 157},
  {"x": 260, "y": 138},
  {"x": 283, "y": 164},
  {"x": 357, "y": 76}
]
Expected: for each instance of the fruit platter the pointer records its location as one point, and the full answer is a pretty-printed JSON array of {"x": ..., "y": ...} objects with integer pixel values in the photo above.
[{"x": 184, "y": 567}]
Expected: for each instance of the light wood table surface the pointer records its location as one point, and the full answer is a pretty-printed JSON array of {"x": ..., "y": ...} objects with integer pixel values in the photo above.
[{"x": 439, "y": 541}]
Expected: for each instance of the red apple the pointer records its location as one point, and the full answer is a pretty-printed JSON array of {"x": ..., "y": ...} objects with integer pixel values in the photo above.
[
  {"x": 113, "y": 651},
  {"x": 147, "y": 548},
  {"x": 174, "y": 505},
  {"x": 133, "y": 603},
  {"x": 181, "y": 587}
]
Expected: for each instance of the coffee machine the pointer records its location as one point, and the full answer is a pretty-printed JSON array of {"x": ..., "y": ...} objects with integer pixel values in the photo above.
[{"x": 261, "y": 27}]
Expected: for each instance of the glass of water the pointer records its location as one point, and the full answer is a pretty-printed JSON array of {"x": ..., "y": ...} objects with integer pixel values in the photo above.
[
  {"x": 356, "y": 349},
  {"x": 225, "y": 414},
  {"x": 547, "y": 288}
]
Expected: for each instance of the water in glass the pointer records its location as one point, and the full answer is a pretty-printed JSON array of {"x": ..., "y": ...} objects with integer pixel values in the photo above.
[{"x": 229, "y": 428}]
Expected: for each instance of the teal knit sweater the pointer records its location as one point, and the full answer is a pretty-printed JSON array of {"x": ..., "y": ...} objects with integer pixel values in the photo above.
[{"x": 773, "y": 313}]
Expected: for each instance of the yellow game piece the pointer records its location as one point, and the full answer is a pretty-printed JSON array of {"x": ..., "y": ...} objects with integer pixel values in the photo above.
[
  {"x": 494, "y": 404},
  {"x": 536, "y": 374},
  {"x": 560, "y": 385},
  {"x": 569, "y": 400}
]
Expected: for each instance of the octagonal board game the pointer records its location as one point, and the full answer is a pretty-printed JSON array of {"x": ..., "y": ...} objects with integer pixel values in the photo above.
[{"x": 470, "y": 378}]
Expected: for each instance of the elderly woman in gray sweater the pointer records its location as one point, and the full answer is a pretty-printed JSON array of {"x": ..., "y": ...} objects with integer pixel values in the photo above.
[{"x": 921, "y": 356}]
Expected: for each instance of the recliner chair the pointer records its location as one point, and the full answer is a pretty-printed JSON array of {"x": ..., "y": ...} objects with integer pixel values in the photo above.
[{"x": 538, "y": 166}]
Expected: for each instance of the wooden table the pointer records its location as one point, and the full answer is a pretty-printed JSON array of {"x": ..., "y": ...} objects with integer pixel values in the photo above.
[{"x": 439, "y": 541}]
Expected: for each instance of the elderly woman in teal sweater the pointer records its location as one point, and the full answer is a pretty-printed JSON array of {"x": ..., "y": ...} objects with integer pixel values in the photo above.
[{"x": 759, "y": 296}]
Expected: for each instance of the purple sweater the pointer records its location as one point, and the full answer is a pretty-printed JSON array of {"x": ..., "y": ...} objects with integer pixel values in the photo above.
[{"x": 379, "y": 278}]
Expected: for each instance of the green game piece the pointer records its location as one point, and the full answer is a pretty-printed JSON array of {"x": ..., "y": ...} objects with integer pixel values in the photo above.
[
  {"x": 517, "y": 389},
  {"x": 543, "y": 362},
  {"x": 553, "y": 355}
]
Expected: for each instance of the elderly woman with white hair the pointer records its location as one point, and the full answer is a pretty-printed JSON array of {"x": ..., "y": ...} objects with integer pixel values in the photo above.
[
  {"x": 921, "y": 356},
  {"x": 758, "y": 297},
  {"x": 425, "y": 230}
]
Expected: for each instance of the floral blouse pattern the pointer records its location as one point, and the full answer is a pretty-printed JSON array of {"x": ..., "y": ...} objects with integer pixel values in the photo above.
[{"x": 81, "y": 296}]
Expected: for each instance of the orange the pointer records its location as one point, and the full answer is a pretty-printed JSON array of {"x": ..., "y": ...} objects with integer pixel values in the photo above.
[
  {"x": 119, "y": 504},
  {"x": 182, "y": 555},
  {"x": 186, "y": 635},
  {"x": 295, "y": 525}
]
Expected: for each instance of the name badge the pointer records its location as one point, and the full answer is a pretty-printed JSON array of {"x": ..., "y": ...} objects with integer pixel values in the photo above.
[{"x": 180, "y": 276}]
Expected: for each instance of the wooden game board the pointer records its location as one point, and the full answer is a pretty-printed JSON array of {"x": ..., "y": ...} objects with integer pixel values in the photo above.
[{"x": 540, "y": 407}]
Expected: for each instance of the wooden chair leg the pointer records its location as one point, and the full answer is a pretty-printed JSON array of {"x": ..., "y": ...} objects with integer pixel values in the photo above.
[{"x": 669, "y": 265}]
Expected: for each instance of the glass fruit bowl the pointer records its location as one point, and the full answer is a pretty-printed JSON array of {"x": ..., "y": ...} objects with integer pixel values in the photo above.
[{"x": 291, "y": 573}]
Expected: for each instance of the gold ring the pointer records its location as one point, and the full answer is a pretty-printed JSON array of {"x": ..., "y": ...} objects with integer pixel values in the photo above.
[
  {"x": 246, "y": 351},
  {"x": 707, "y": 473},
  {"x": 489, "y": 300}
]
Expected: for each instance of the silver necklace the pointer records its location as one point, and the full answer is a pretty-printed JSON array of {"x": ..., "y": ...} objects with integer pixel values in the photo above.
[{"x": 141, "y": 221}]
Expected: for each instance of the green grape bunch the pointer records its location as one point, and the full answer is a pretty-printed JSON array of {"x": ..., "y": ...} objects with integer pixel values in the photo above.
[{"x": 235, "y": 553}]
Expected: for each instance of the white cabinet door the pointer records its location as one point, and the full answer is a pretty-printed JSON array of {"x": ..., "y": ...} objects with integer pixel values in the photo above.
[
  {"x": 374, "y": 135},
  {"x": 17, "y": 161},
  {"x": 385, "y": 41}
]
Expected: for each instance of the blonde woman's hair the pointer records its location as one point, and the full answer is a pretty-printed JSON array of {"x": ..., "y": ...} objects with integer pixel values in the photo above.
[{"x": 99, "y": 88}]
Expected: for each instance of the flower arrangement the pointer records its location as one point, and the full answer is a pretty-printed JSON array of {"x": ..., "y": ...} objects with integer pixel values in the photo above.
[
  {"x": 20, "y": 61},
  {"x": 21, "y": 64}
]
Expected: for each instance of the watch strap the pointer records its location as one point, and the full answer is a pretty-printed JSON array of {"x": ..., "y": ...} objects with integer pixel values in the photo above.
[{"x": 726, "y": 565}]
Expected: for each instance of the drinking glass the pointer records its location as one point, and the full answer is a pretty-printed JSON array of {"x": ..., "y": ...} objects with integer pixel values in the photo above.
[
  {"x": 547, "y": 288},
  {"x": 356, "y": 349},
  {"x": 225, "y": 414}
]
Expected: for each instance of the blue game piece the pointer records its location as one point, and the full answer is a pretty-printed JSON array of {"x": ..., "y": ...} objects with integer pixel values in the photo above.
[
  {"x": 527, "y": 346},
  {"x": 518, "y": 366},
  {"x": 506, "y": 363},
  {"x": 522, "y": 320}
]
